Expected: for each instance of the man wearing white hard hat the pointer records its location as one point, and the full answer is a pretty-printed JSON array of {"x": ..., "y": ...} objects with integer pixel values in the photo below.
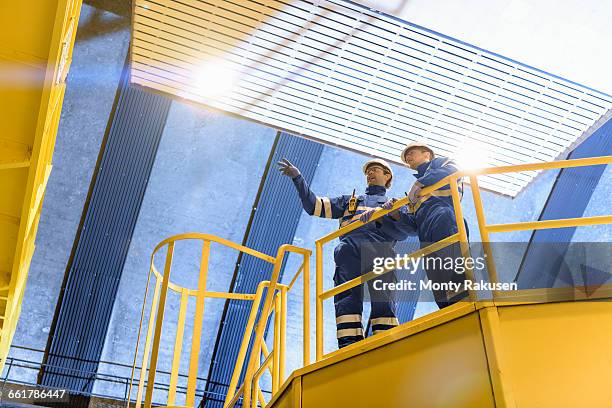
[
  {"x": 433, "y": 214},
  {"x": 348, "y": 254}
]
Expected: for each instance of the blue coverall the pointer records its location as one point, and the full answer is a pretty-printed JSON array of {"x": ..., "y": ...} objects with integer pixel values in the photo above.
[
  {"x": 434, "y": 219},
  {"x": 353, "y": 257}
]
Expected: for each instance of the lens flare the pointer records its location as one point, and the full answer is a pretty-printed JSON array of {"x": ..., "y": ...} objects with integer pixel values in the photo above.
[
  {"x": 214, "y": 79},
  {"x": 472, "y": 155}
]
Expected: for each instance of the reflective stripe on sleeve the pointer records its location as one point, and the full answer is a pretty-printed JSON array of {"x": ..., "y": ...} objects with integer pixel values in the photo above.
[
  {"x": 317, "y": 209},
  {"x": 327, "y": 205}
]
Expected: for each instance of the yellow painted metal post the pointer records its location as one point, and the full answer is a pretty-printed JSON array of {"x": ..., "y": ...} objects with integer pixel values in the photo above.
[
  {"x": 276, "y": 346},
  {"x": 306, "y": 306},
  {"x": 197, "y": 326},
  {"x": 251, "y": 378},
  {"x": 463, "y": 238},
  {"x": 178, "y": 346},
  {"x": 283, "y": 336},
  {"x": 147, "y": 347},
  {"x": 484, "y": 233},
  {"x": 142, "y": 313},
  {"x": 265, "y": 312},
  {"x": 260, "y": 398},
  {"x": 245, "y": 343},
  {"x": 319, "y": 300},
  {"x": 158, "y": 325}
]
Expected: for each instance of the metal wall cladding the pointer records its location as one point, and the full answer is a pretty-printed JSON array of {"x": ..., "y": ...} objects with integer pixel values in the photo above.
[
  {"x": 345, "y": 75},
  {"x": 569, "y": 197},
  {"x": 101, "y": 244},
  {"x": 274, "y": 221}
]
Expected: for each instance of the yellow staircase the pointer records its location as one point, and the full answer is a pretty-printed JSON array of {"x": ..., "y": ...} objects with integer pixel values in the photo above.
[
  {"x": 515, "y": 348},
  {"x": 504, "y": 354},
  {"x": 36, "y": 41}
]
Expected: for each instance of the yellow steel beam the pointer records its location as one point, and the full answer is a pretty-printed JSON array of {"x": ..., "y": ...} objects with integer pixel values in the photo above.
[{"x": 36, "y": 62}]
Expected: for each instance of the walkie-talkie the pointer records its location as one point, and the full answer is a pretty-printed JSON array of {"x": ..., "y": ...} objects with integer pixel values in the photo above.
[{"x": 352, "y": 205}]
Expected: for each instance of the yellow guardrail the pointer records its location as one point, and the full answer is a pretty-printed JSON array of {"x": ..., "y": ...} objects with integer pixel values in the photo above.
[
  {"x": 461, "y": 237},
  {"x": 274, "y": 302}
]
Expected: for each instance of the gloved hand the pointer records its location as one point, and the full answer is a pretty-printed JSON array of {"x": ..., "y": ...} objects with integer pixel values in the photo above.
[
  {"x": 288, "y": 169},
  {"x": 413, "y": 194},
  {"x": 389, "y": 204},
  {"x": 365, "y": 217}
]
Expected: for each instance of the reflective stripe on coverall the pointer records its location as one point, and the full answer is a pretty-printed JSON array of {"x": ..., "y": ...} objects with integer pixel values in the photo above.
[{"x": 353, "y": 257}]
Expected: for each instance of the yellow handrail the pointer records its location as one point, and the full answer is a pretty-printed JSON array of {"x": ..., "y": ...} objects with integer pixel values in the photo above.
[
  {"x": 273, "y": 304},
  {"x": 461, "y": 237}
]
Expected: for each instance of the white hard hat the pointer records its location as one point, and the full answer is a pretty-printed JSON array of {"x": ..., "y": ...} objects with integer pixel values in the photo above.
[
  {"x": 381, "y": 163},
  {"x": 413, "y": 145}
]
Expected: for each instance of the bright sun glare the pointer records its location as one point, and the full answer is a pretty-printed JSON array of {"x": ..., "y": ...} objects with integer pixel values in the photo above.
[
  {"x": 214, "y": 79},
  {"x": 472, "y": 155}
]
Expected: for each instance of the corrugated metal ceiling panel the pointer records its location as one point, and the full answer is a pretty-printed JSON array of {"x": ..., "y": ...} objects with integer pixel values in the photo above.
[{"x": 344, "y": 75}]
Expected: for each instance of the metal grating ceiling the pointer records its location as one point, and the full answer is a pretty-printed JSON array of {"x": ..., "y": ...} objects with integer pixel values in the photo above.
[{"x": 345, "y": 75}]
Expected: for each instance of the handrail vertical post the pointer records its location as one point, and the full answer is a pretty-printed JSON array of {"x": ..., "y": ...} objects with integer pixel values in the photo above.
[
  {"x": 142, "y": 314},
  {"x": 306, "y": 306},
  {"x": 276, "y": 342},
  {"x": 283, "y": 336},
  {"x": 178, "y": 347},
  {"x": 484, "y": 232},
  {"x": 245, "y": 343},
  {"x": 147, "y": 347},
  {"x": 197, "y": 326},
  {"x": 158, "y": 326},
  {"x": 463, "y": 238},
  {"x": 319, "y": 304},
  {"x": 265, "y": 312}
]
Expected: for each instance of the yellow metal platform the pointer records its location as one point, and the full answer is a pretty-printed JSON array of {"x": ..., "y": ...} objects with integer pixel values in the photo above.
[
  {"x": 554, "y": 352},
  {"x": 36, "y": 41}
]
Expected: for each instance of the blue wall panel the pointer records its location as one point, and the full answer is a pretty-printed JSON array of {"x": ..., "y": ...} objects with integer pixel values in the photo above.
[
  {"x": 101, "y": 244},
  {"x": 569, "y": 198},
  {"x": 273, "y": 222}
]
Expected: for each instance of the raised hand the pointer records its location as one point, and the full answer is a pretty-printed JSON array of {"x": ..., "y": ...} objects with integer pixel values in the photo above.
[{"x": 288, "y": 169}]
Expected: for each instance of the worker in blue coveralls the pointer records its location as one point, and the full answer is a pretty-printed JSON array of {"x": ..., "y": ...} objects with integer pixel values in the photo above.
[
  {"x": 432, "y": 215},
  {"x": 352, "y": 252}
]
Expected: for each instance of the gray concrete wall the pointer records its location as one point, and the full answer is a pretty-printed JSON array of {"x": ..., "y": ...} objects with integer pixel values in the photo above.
[{"x": 205, "y": 179}]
